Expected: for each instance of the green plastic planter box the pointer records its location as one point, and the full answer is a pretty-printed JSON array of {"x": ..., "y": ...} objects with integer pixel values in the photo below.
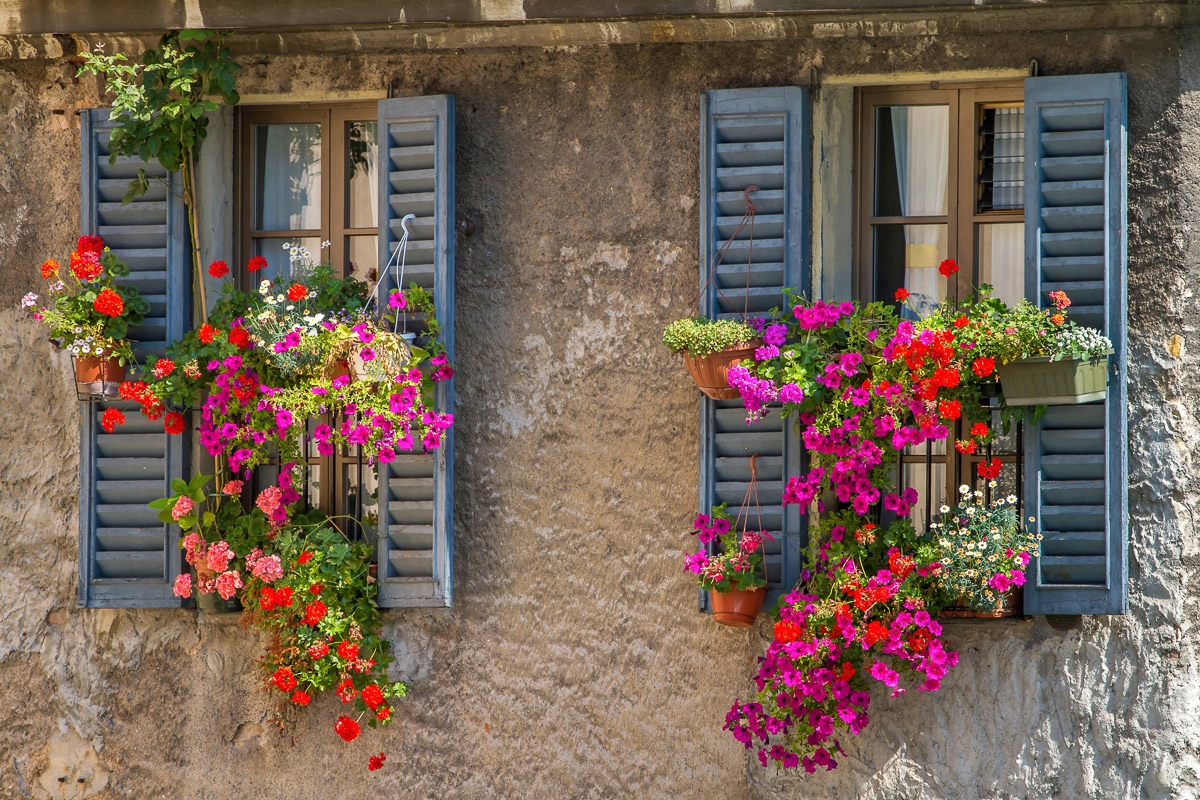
[{"x": 1042, "y": 382}]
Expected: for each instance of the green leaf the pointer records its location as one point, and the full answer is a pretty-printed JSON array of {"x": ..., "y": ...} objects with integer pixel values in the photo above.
[{"x": 179, "y": 486}]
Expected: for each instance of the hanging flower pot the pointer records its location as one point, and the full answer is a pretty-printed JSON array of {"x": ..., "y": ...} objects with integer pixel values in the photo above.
[
  {"x": 1038, "y": 381},
  {"x": 711, "y": 372},
  {"x": 737, "y": 608},
  {"x": 98, "y": 377},
  {"x": 1008, "y": 605}
]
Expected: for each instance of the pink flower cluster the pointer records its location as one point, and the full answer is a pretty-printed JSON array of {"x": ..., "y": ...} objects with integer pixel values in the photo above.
[{"x": 212, "y": 566}]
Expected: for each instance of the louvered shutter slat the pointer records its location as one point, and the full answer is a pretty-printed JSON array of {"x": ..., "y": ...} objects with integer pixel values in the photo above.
[
  {"x": 1075, "y": 242},
  {"x": 127, "y": 557},
  {"x": 416, "y": 490},
  {"x": 753, "y": 137}
]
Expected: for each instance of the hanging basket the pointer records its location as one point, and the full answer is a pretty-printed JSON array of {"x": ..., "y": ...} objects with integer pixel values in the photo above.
[
  {"x": 1008, "y": 606},
  {"x": 711, "y": 372},
  {"x": 738, "y": 608},
  {"x": 98, "y": 377},
  {"x": 1041, "y": 382}
]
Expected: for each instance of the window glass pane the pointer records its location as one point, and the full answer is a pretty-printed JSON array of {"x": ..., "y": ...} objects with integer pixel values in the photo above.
[
  {"x": 361, "y": 175},
  {"x": 278, "y": 259},
  {"x": 1001, "y": 168},
  {"x": 907, "y": 256},
  {"x": 313, "y": 494},
  {"x": 1002, "y": 259},
  {"x": 930, "y": 483},
  {"x": 912, "y": 160},
  {"x": 287, "y": 177},
  {"x": 362, "y": 257}
]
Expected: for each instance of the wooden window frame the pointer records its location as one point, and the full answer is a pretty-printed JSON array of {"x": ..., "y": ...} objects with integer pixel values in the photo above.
[
  {"x": 966, "y": 102},
  {"x": 335, "y": 227}
]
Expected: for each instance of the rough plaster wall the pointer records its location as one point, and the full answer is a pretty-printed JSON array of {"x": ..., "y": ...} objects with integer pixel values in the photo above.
[{"x": 573, "y": 663}]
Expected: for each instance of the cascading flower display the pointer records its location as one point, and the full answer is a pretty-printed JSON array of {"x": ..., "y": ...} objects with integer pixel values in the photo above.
[{"x": 863, "y": 385}]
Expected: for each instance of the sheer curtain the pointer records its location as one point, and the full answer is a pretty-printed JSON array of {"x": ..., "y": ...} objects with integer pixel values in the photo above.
[
  {"x": 289, "y": 177},
  {"x": 921, "y": 137}
]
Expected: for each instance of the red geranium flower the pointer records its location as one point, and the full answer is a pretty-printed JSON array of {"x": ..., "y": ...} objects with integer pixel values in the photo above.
[
  {"x": 961, "y": 321},
  {"x": 348, "y": 650},
  {"x": 314, "y": 612},
  {"x": 86, "y": 266},
  {"x": 206, "y": 333},
  {"x": 346, "y": 690},
  {"x": 901, "y": 295},
  {"x": 383, "y": 713},
  {"x": 238, "y": 337},
  {"x": 979, "y": 429},
  {"x": 174, "y": 423},
  {"x": 785, "y": 631},
  {"x": 301, "y": 698},
  {"x": 983, "y": 366},
  {"x": 950, "y": 409},
  {"x": 112, "y": 418},
  {"x": 876, "y": 631},
  {"x": 266, "y": 598},
  {"x": 256, "y": 263},
  {"x": 109, "y": 303},
  {"x": 218, "y": 269},
  {"x": 316, "y": 588},
  {"x": 346, "y": 728},
  {"x": 318, "y": 650},
  {"x": 376, "y": 762},
  {"x": 304, "y": 558},
  {"x": 91, "y": 245},
  {"x": 163, "y": 368},
  {"x": 965, "y": 447},
  {"x": 298, "y": 291},
  {"x": 948, "y": 267},
  {"x": 49, "y": 269},
  {"x": 284, "y": 679},
  {"x": 372, "y": 695},
  {"x": 989, "y": 471},
  {"x": 848, "y": 671}
]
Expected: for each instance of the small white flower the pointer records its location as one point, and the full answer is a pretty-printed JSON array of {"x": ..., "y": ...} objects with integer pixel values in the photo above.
[
  {"x": 979, "y": 493},
  {"x": 1012, "y": 498},
  {"x": 964, "y": 489},
  {"x": 291, "y": 308},
  {"x": 270, "y": 300},
  {"x": 325, "y": 244},
  {"x": 992, "y": 484},
  {"x": 944, "y": 509},
  {"x": 87, "y": 348},
  {"x": 79, "y": 330}
]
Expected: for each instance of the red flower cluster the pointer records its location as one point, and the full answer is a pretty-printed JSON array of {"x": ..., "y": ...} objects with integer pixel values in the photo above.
[
  {"x": 174, "y": 424},
  {"x": 876, "y": 632},
  {"x": 86, "y": 266},
  {"x": 376, "y": 762},
  {"x": 206, "y": 333},
  {"x": 348, "y": 650},
  {"x": 49, "y": 269},
  {"x": 284, "y": 679},
  {"x": 270, "y": 599},
  {"x": 901, "y": 295},
  {"x": 112, "y": 418},
  {"x": 301, "y": 698},
  {"x": 346, "y": 691},
  {"x": 218, "y": 269},
  {"x": 90, "y": 245},
  {"x": 787, "y": 631},
  {"x": 347, "y": 728},
  {"x": 948, "y": 267},
  {"x": 297, "y": 292},
  {"x": 109, "y": 303},
  {"x": 256, "y": 263},
  {"x": 314, "y": 612},
  {"x": 372, "y": 695},
  {"x": 318, "y": 650},
  {"x": 989, "y": 470},
  {"x": 238, "y": 337},
  {"x": 383, "y": 713},
  {"x": 139, "y": 392},
  {"x": 163, "y": 368},
  {"x": 983, "y": 366}
]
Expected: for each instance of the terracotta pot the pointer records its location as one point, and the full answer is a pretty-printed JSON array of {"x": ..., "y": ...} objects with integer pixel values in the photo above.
[
  {"x": 213, "y": 603},
  {"x": 98, "y": 377},
  {"x": 738, "y": 608},
  {"x": 1009, "y": 606},
  {"x": 711, "y": 372}
]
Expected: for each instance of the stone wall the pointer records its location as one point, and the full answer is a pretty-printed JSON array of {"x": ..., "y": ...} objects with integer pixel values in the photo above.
[{"x": 573, "y": 663}]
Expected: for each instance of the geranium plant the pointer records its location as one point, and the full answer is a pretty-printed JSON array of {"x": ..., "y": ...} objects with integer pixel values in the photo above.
[{"x": 88, "y": 312}]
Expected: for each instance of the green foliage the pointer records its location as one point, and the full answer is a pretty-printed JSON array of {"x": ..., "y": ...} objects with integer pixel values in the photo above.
[
  {"x": 214, "y": 516},
  {"x": 701, "y": 337},
  {"x": 160, "y": 100}
]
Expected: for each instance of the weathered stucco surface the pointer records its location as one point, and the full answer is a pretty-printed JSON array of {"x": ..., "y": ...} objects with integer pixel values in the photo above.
[{"x": 574, "y": 663}]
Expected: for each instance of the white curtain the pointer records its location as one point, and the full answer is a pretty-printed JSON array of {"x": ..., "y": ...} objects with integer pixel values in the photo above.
[
  {"x": 1002, "y": 251},
  {"x": 921, "y": 137},
  {"x": 289, "y": 175}
]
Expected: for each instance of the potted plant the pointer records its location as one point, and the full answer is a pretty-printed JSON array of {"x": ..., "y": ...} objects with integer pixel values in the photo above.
[
  {"x": 732, "y": 574},
  {"x": 89, "y": 315},
  {"x": 709, "y": 348},
  {"x": 982, "y": 552}
]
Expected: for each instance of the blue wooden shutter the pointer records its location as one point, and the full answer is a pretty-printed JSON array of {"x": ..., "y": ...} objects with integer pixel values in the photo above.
[
  {"x": 1077, "y": 487},
  {"x": 127, "y": 557},
  {"x": 754, "y": 137},
  {"x": 416, "y": 492}
]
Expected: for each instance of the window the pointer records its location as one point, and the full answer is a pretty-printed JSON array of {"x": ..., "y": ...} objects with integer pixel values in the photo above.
[
  {"x": 942, "y": 176},
  {"x": 309, "y": 176}
]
